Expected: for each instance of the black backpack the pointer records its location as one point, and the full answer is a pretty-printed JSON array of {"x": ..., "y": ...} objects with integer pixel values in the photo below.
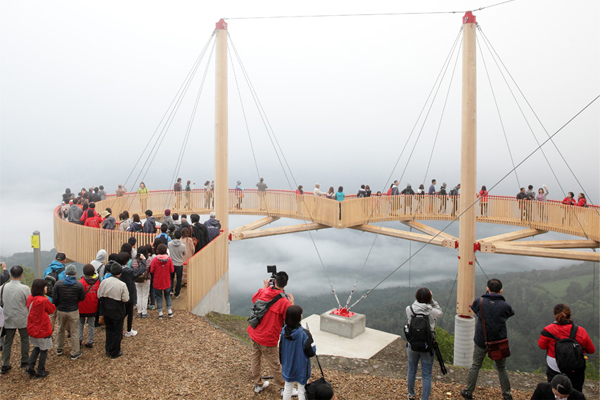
[
  {"x": 418, "y": 332},
  {"x": 260, "y": 308},
  {"x": 52, "y": 278},
  {"x": 568, "y": 352}
]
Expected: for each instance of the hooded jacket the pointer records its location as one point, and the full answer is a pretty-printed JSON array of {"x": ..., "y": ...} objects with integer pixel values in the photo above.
[
  {"x": 296, "y": 346},
  {"x": 93, "y": 222},
  {"x": 38, "y": 320},
  {"x": 268, "y": 331},
  {"x": 89, "y": 305},
  {"x": 135, "y": 227},
  {"x": 168, "y": 220},
  {"x": 200, "y": 232},
  {"x": 433, "y": 310},
  {"x": 99, "y": 261},
  {"x": 55, "y": 266},
  {"x": 177, "y": 251},
  {"x": 213, "y": 226},
  {"x": 124, "y": 225},
  {"x": 496, "y": 312},
  {"x": 67, "y": 294},
  {"x": 129, "y": 275},
  {"x": 149, "y": 225},
  {"x": 74, "y": 214},
  {"x": 109, "y": 223},
  {"x": 161, "y": 268}
]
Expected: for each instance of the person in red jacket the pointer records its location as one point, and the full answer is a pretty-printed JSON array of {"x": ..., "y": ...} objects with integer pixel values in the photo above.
[
  {"x": 39, "y": 328},
  {"x": 265, "y": 336},
  {"x": 581, "y": 201},
  {"x": 93, "y": 221},
  {"x": 561, "y": 328},
  {"x": 89, "y": 306},
  {"x": 161, "y": 270},
  {"x": 569, "y": 200}
]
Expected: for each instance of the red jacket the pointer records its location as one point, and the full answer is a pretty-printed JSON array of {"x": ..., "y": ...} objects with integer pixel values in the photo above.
[
  {"x": 89, "y": 306},
  {"x": 268, "y": 330},
  {"x": 84, "y": 216},
  {"x": 581, "y": 202},
  {"x": 162, "y": 268},
  {"x": 93, "y": 222},
  {"x": 568, "y": 200},
  {"x": 484, "y": 196},
  {"x": 38, "y": 321},
  {"x": 562, "y": 332}
]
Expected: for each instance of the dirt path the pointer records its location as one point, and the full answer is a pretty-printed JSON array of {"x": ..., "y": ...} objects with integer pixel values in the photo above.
[{"x": 187, "y": 358}]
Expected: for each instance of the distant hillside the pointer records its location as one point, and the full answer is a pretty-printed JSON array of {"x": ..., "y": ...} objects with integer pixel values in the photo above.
[
  {"x": 25, "y": 259},
  {"x": 532, "y": 294}
]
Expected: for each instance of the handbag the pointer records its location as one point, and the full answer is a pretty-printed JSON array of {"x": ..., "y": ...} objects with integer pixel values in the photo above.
[{"x": 497, "y": 349}]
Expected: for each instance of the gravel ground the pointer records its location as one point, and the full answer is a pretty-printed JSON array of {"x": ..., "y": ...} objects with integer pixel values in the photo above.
[{"x": 188, "y": 358}]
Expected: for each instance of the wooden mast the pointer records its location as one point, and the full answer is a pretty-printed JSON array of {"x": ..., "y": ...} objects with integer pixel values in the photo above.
[
  {"x": 221, "y": 132},
  {"x": 464, "y": 321}
]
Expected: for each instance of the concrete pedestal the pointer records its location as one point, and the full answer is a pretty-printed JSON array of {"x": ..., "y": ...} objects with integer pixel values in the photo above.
[{"x": 349, "y": 327}]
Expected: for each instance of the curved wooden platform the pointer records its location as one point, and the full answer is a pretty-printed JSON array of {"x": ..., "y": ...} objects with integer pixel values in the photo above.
[{"x": 81, "y": 243}]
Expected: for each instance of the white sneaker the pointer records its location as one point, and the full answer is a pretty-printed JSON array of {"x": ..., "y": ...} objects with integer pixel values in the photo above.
[
  {"x": 131, "y": 333},
  {"x": 259, "y": 389},
  {"x": 294, "y": 392}
]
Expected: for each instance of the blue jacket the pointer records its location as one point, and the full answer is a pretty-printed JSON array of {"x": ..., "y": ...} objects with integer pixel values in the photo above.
[
  {"x": 496, "y": 312},
  {"x": 295, "y": 348},
  {"x": 55, "y": 266}
]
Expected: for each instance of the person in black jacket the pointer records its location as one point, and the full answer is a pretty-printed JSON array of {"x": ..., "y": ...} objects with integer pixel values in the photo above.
[
  {"x": 66, "y": 295},
  {"x": 112, "y": 296},
  {"x": 559, "y": 388},
  {"x": 496, "y": 312},
  {"x": 128, "y": 276},
  {"x": 200, "y": 232}
]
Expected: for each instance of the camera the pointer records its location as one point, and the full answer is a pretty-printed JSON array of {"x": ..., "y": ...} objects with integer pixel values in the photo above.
[{"x": 272, "y": 269}]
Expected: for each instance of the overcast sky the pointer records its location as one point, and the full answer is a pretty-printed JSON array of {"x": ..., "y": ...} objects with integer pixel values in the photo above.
[{"x": 84, "y": 85}]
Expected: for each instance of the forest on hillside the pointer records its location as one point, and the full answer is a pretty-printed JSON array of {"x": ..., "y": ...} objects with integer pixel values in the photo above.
[{"x": 532, "y": 294}]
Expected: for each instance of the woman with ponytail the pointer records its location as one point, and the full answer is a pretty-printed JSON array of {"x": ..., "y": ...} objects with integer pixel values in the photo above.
[{"x": 561, "y": 329}]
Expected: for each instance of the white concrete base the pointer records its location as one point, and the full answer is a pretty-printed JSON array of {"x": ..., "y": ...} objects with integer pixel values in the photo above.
[
  {"x": 348, "y": 327},
  {"x": 217, "y": 298},
  {"x": 363, "y": 346},
  {"x": 464, "y": 331}
]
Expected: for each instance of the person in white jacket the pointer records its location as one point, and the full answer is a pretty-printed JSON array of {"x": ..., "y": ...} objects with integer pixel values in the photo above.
[{"x": 426, "y": 305}]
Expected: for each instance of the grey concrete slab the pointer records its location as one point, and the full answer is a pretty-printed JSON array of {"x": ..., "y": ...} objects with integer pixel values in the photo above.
[{"x": 363, "y": 346}]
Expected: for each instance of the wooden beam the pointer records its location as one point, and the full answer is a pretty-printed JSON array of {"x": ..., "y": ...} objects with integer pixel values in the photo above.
[
  {"x": 417, "y": 237},
  {"x": 506, "y": 237},
  {"x": 255, "y": 225},
  {"x": 280, "y": 230},
  {"x": 499, "y": 248},
  {"x": 558, "y": 244},
  {"x": 428, "y": 230}
]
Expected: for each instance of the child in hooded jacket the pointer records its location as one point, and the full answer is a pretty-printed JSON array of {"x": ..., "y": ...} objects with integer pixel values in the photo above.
[
  {"x": 296, "y": 346},
  {"x": 89, "y": 306},
  {"x": 39, "y": 328}
]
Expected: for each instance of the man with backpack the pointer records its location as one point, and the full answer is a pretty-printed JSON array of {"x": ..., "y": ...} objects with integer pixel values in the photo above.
[
  {"x": 54, "y": 273},
  {"x": 420, "y": 333},
  {"x": 265, "y": 336},
  {"x": 112, "y": 296},
  {"x": 493, "y": 311},
  {"x": 454, "y": 193},
  {"x": 66, "y": 295}
]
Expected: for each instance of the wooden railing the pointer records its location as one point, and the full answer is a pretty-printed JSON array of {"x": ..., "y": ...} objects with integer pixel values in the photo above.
[
  {"x": 205, "y": 269},
  {"x": 81, "y": 243}
]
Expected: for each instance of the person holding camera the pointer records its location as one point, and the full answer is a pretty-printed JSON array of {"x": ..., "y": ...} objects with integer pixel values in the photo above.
[
  {"x": 265, "y": 336},
  {"x": 497, "y": 311},
  {"x": 424, "y": 306}
]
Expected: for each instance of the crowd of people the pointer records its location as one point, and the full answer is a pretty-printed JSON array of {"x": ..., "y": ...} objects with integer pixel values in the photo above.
[
  {"x": 112, "y": 287},
  {"x": 565, "y": 377}
]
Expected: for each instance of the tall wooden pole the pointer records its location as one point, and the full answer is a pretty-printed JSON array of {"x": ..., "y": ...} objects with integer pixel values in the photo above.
[
  {"x": 221, "y": 132},
  {"x": 464, "y": 321}
]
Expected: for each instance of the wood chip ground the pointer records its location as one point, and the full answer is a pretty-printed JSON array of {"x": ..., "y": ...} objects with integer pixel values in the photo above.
[{"x": 186, "y": 357}]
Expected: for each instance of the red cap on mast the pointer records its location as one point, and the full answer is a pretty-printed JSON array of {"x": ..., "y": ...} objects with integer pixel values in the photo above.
[
  {"x": 221, "y": 24},
  {"x": 469, "y": 18}
]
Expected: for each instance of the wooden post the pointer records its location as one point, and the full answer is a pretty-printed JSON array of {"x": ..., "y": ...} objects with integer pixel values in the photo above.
[
  {"x": 468, "y": 190},
  {"x": 37, "y": 256},
  {"x": 221, "y": 132}
]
